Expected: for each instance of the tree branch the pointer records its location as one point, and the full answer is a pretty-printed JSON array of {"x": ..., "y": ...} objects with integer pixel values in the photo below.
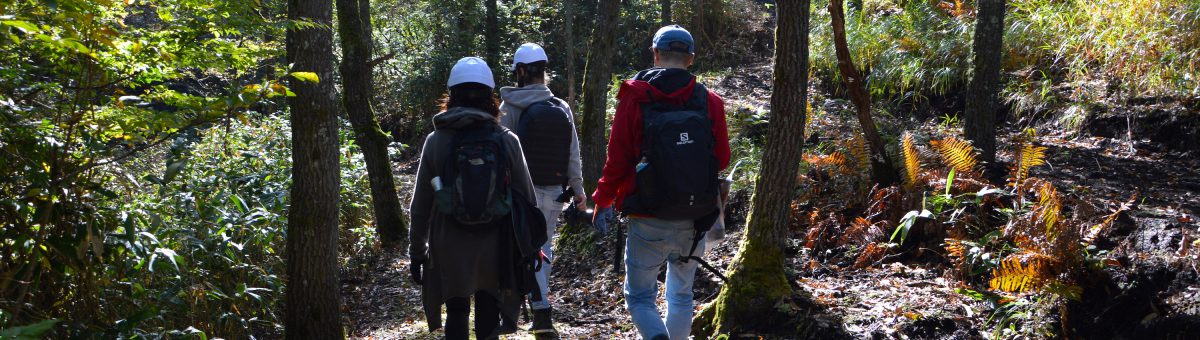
[
  {"x": 97, "y": 87},
  {"x": 380, "y": 60}
]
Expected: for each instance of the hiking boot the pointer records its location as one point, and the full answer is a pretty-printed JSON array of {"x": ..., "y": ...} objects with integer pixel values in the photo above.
[{"x": 542, "y": 322}]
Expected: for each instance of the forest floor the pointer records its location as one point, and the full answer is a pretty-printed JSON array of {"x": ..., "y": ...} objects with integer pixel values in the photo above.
[{"x": 1151, "y": 286}]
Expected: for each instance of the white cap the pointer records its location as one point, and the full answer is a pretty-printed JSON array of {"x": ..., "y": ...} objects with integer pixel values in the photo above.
[
  {"x": 471, "y": 70},
  {"x": 528, "y": 53}
]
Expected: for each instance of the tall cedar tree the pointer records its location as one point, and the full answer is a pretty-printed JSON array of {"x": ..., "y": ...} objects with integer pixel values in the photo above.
[
  {"x": 569, "y": 41},
  {"x": 982, "y": 103},
  {"x": 312, "y": 270},
  {"x": 665, "y": 17},
  {"x": 596, "y": 79},
  {"x": 492, "y": 39},
  {"x": 757, "y": 280},
  {"x": 354, "y": 25},
  {"x": 882, "y": 170},
  {"x": 697, "y": 30}
]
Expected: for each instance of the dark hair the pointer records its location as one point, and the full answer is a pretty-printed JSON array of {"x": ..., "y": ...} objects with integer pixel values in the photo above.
[
  {"x": 535, "y": 71},
  {"x": 672, "y": 56},
  {"x": 474, "y": 95}
]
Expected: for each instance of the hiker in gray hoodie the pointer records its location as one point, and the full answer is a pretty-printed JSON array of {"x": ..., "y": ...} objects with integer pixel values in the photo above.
[{"x": 546, "y": 128}]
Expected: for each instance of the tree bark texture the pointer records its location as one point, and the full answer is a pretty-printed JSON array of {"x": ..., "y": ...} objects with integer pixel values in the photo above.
[
  {"x": 665, "y": 16},
  {"x": 569, "y": 29},
  {"x": 312, "y": 298},
  {"x": 881, "y": 165},
  {"x": 492, "y": 43},
  {"x": 354, "y": 25},
  {"x": 982, "y": 94},
  {"x": 757, "y": 277},
  {"x": 596, "y": 79},
  {"x": 697, "y": 31}
]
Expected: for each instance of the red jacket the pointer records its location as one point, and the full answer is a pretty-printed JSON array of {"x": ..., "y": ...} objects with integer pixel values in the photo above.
[{"x": 625, "y": 139}]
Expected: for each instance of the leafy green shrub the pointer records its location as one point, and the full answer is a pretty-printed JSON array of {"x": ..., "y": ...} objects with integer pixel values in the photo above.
[
  {"x": 86, "y": 87},
  {"x": 912, "y": 50},
  {"x": 907, "y": 49}
]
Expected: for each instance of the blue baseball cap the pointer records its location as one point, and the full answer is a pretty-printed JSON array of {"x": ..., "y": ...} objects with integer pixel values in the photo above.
[{"x": 669, "y": 38}]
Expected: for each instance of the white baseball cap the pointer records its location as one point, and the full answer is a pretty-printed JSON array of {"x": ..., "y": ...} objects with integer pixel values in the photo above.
[
  {"x": 528, "y": 53},
  {"x": 471, "y": 70}
]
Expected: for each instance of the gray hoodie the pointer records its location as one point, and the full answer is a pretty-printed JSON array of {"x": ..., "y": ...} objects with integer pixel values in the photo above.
[{"x": 516, "y": 99}]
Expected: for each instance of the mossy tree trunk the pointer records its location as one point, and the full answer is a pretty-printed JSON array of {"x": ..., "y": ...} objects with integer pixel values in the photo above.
[
  {"x": 354, "y": 26},
  {"x": 311, "y": 295},
  {"x": 982, "y": 102},
  {"x": 596, "y": 79},
  {"x": 757, "y": 280},
  {"x": 882, "y": 169}
]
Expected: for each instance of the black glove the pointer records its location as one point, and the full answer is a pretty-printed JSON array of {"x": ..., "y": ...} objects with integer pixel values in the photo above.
[
  {"x": 415, "y": 268},
  {"x": 534, "y": 263}
]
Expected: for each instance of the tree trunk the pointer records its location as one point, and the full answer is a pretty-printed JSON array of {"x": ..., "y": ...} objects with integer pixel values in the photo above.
[
  {"x": 882, "y": 171},
  {"x": 596, "y": 78},
  {"x": 697, "y": 31},
  {"x": 757, "y": 279},
  {"x": 569, "y": 28},
  {"x": 665, "y": 7},
  {"x": 354, "y": 25},
  {"x": 979, "y": 119},
  {"x": 492, "y": 35},
  {"x": 312, "y": 299}
]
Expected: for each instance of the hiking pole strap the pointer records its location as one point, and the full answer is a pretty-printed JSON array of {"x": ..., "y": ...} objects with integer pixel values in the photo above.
[
  {"x": 692, "y": 256},
  {"x": 695, "y": 244},
  {"x": 708, "y": 267},
  {"x": 619, "y": 243}
]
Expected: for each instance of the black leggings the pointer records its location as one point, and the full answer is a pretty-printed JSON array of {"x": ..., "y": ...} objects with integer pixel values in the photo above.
[{"x": 487, "y": 317}]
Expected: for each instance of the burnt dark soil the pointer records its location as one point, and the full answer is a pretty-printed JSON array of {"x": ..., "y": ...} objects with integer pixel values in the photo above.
[{"x": 1150, "y": 287}]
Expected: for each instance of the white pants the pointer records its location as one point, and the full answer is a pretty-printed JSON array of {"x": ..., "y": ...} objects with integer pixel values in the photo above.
[{"x": 545, "y": 196}]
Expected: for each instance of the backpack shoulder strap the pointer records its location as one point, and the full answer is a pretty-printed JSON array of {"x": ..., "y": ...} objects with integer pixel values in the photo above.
[
  {"x": 523, "y": 122},
  {"x": 498, "y": 133}
]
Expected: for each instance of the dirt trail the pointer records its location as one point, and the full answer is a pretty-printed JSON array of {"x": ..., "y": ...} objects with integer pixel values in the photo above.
[{"x": 1154, "y": 284}]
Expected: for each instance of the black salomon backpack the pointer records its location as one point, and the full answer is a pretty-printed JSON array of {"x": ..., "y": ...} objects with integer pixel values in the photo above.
[
  {"x": 545, "y": 132},
  {"x": 475, "y": 178},
  {"x": 679, "y": 178}
]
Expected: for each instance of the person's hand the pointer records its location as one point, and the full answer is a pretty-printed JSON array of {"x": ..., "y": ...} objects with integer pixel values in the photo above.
[
  {"x": 581, "y": 202},
  {"x": 600, "y": 219},
  {"x": 415, "y": 268}
]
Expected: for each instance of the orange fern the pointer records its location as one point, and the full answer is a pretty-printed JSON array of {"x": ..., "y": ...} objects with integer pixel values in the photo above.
[
  {"x": 1015, "y": 277},
  {"x": 857, "y": 147},
  {"x": 955, "y": 249},
  {"x": 871, "y": 254},
  {"x": 957, "y": 153},
  {"x": 833, "y": 163},
  {"x": 860, "y": 231},
  {"x": 1028, "y": 156},
  {"x": 1048, "y": 207},
  {"x": 912, "y": 164}
]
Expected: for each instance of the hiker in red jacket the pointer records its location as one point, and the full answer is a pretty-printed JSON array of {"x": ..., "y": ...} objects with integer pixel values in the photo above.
[{"x": 668, "y": 142}]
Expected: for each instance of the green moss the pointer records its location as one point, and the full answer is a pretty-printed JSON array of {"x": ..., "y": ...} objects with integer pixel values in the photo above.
[{"x": 755, "y": 286}]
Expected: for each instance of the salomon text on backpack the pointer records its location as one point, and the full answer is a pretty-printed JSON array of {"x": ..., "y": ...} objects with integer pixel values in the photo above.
[
  {"x": 545, "y": 131},
  {"x": 677, "y": 179}
]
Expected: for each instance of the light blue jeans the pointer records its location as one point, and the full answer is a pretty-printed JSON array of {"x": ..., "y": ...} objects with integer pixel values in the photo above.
[
  {"x": 545, "y": 196},
  {"x": 653, "y": 242}
]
